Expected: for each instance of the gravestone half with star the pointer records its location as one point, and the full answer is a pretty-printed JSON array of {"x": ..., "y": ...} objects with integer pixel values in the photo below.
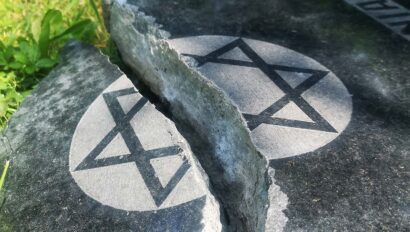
[
  {"x": 90, "y": 153},
  {"x": 292, "y": 104}
]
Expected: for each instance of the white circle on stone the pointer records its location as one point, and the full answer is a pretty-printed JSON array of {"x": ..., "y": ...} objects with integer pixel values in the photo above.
[
  {"x": 122, "y": 185},
  {"x": 293, "y": 104}
]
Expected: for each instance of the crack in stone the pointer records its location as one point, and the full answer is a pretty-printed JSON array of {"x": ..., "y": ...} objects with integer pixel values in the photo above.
[
  {"x": 197, "y": 145},
  {"x": 211, "y": 123}
]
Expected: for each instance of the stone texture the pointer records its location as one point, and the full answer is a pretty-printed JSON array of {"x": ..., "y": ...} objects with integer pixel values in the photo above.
[
  {"x": 77, "y": 166},
  {"x": 292, "y": 104},
  {"x": 238, "y": 172},
  {"x": 359, "y": 181}
]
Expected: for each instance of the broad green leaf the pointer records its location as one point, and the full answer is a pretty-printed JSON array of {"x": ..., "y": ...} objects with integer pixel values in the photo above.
[
  {"x": 43, "y": 41},
  {"x": 3, "y": 61},
  {"x": 52, "y": 16},
  {"x": 33, "y": 52},
  {"x": 21, "y": 57},
  {"x": 30, "y": 69},
  {"x": 76, "y": 28},
  {"x": 8, "y": 52},
  {"x": 15, "y": 65},
  {"x": 36, "y": 29},
  {"x": 45, "y": 63}
]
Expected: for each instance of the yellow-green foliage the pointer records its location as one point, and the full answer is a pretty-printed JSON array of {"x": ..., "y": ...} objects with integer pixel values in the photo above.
[
  {"x": 4, "y": 173},
  {"x": 4, "y": 226},
  {"x": 32, "y": 33},
  {"x": 10, "y": 98},
  {"x": 22, "y": 18}
]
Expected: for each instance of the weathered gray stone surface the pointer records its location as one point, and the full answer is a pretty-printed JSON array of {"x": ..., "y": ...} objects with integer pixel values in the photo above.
[
  {"x": 91, "y": 154},
  {"x": 292, "y": 104},
  {"x": 357, "y": 182},
  {"x": 237, "y": 170}
]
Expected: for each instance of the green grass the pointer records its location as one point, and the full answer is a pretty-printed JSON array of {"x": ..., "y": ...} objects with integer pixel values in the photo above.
[
  {"x": 4, "y": 173},
  {"x": 4, "y": 226},
  {"x": 32, "y": 32}
]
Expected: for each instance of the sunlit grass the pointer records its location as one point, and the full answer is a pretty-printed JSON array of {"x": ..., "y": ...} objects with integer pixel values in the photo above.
[
  {"x": 32, "y": 33},
  {"x": 22, "y": 18},
  {"x": 4, "y": 174}
]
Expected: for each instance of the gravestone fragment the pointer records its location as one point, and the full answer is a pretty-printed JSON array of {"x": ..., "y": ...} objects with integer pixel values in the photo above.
[
  {"x": 292, "y": 104},
  {"x": 356, "y": 179},
  {"x": 90, "y": 153}
]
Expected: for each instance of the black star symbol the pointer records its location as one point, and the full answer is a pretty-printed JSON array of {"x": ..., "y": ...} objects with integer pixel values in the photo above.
[
  {"x": 291, "y": 94},
  {"x": 138, "y": 154}
]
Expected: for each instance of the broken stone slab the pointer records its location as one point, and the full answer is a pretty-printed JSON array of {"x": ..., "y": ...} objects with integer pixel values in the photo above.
[
  {"x": 91, "y": 153},
  {"x": 197, "y": 102},
  {"x": 354, "y": 181},
  {"x": 292, "y": 104}
]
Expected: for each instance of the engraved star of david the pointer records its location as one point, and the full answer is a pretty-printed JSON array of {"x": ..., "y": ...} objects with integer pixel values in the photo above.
[
  {"x": 138, "y": 154},
  {"x": 291, "y": 94}
]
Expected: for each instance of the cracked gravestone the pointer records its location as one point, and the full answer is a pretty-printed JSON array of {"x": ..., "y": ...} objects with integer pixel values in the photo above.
[
  {"x": 354, "y": 174},
  {"x": 91, "y": 153},
  {"x": 103, "y": 158}
]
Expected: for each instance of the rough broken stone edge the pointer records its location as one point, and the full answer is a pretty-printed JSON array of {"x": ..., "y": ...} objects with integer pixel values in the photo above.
[{"x": 153, "y": 38}]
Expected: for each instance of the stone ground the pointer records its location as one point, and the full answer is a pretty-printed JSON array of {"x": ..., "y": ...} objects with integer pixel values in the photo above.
[{"x": 360, "y": 181}]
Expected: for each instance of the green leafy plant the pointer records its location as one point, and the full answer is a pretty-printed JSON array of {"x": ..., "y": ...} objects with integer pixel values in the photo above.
[
  {"x": 31, "y": 58},
  {"x": 31, "y": 36},
  {"x": 10, "y": 98}
]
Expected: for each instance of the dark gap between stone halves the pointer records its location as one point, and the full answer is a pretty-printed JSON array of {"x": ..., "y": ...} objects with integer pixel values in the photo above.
[
  {"x": 197, "y": 143},
  {"x": 232, "y": 160}
]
